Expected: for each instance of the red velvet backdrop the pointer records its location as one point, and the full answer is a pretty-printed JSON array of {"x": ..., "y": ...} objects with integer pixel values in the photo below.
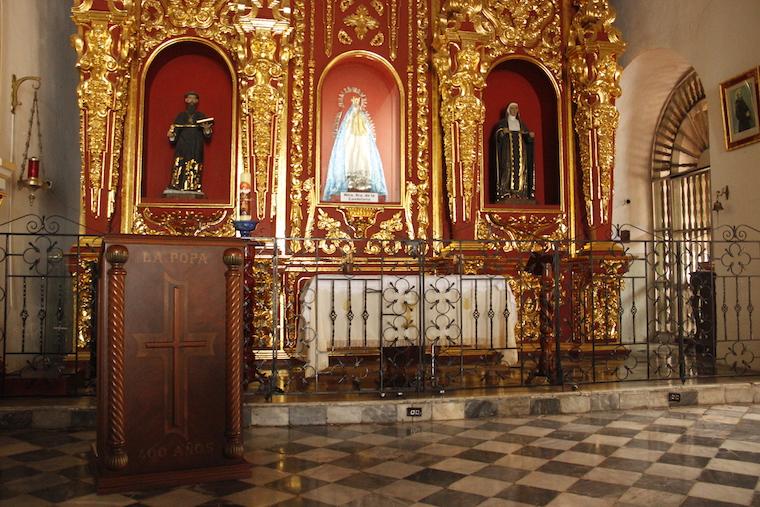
[
  {"x": 383, "y": 101},
  {"x": 180, "y": 68},
  {"x": 522, "y": 82}
]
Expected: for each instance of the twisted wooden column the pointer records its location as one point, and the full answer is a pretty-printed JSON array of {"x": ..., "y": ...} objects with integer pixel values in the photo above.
[
  {"x": 233, "y": 258},
  {"x": 546, "y": 326},
  {"x": 116, "y": 456}
]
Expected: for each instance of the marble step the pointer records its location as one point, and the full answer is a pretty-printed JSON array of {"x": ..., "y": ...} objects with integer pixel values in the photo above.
[{"x": 72, "y": 413}]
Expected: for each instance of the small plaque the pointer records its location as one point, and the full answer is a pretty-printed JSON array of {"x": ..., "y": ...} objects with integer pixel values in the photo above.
[
  {"x": 414, "y": 411},
  {"x": 674, "y": 397},
  {"x": 170, "y": 193},
  {"x": 359, "y": 197}
]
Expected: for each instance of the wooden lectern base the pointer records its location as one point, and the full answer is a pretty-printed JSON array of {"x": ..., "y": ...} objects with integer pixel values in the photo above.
[
  {"x": 107, "y": 482},
  {"x": 170, "y": 362}
]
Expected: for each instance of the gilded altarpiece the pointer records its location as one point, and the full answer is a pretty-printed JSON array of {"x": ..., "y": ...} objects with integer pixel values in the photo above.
[
  {"x": 429, "y": 79},
  {"x": 376, "y": 52},
  {"x": 484, "y": 53},
  {"x": 292, "y": 65},
  {"x": 137, "y": 56}
]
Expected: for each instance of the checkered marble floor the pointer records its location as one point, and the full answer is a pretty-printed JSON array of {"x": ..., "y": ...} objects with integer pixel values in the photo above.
[{"x": 687, "y": 456}]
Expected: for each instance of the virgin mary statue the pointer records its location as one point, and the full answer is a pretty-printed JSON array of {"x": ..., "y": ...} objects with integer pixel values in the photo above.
[{"x": 355, "y": 164}]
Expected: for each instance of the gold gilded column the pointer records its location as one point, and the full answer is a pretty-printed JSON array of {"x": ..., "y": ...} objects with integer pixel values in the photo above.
[
  {"x": 593, "y": 49},
  {"x": 457, "y": 62},
  {"x": 263, "y": 84},
  {"x": 104, "y": 44}
]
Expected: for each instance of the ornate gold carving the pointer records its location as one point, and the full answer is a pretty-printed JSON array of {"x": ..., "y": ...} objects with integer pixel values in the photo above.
[
  {"x": 598, "y": 292},
  {"x": 309, "y": 184},
  {"x": 103, "y": 66},
  {"x": 359, "y": 219},
  {"x": 462, "y": 116},
  {"x": 361, "y": 21},
  {"x": 421, "y": 189},
  {"x": 263, "y": 285},
  {"x": 527, "y": 291},
  {"x": 470, "y": 36},
  {"x": 344, "y": 38},
  {"x": 311, "y": 205},
  {"x": 509, "y": 26},
  {"x": 85, "y": 287},
  {"x": 184, "y": 223},
  {"x": 290, "y": 310},
  {"x": 328, "y": 28},
  {"x": 377, "y": 40},
  {"x": 472, "y": 266},
  {"x": 154, "y": 28},
  {"x": 382, "y": 241},
  {"x": 393, "y": 31},
  {"x": 346, "y": 4},
  {"x": 264, "y": 103},
  {"x": 532, "y": 26},
  {"x": 333, "y": 236},
  {"x": 592, "y": 56},
  {"x": 296, "y": 124},
  {"x": 410, "y": 98},
  {"x": 94, "y": 94},
  {"x": 378, "y": 6},
  {"x": 523, "y": 233},
  {"x": 213, "y": 19},
  {"x": 192, "y": 13}
]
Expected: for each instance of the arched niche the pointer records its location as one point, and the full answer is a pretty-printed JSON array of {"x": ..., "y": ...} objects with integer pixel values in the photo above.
[
  {"x": 522, "y": 81},
  {"x": 179, "y": 67},
  {"x": 360, "y": 73}
]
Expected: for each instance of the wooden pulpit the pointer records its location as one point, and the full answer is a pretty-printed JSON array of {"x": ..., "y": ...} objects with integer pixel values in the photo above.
[{"x": 169, "y": 366}]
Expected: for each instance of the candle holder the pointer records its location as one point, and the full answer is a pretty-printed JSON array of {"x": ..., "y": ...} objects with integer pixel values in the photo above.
[
  {"x": 33, "y": 182},
  {"x": 245, "y": 227}
]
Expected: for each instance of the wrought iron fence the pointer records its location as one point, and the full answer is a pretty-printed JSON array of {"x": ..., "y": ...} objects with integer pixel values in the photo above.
[
  {"x": 346, "y": 315},
  {"x": 428, "y": 316},
  {"x": 48, "y": 274}
]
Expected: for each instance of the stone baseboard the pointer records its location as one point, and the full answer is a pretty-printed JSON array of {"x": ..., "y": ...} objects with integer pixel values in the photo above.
[
  {"x": 501, "y": 405},
  {"x": 437, "y": 408}
]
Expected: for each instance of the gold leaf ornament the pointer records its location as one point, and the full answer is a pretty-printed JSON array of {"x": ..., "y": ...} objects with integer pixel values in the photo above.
[{"x": 361, "y": 21}]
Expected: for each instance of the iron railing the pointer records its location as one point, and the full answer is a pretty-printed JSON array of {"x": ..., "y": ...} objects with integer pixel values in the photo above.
[
  {"x": 432, "y": 316},
  {"x": 346, "y": 315},
  {"x": 47, "y": 305}
]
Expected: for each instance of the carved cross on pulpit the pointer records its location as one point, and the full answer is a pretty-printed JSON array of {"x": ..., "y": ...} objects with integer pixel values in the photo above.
[{"x": 180, "y": 345}]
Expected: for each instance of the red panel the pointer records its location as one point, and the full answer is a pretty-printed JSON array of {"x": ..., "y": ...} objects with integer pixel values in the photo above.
[
  {"x": 525, "y": 83},
  {"x": 383, "y": 101},
  {"x": 180, "y": 68}
]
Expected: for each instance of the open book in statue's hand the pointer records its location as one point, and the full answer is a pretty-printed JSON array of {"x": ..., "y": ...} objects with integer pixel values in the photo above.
[{"x": 205, "y": 122}]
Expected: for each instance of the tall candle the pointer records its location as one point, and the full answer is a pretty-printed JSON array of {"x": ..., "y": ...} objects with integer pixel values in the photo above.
[{"x": 33, "y": 168}]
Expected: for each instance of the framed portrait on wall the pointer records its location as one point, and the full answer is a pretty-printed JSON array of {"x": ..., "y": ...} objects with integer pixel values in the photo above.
[{"x": 740, "y": 97}]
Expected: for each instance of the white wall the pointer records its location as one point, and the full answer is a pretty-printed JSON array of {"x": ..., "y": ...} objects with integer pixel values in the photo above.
[
  {"x": 720, "y": 39},
  {"x": 646, "y": 84},
  {"x": 34, "y": 40}
]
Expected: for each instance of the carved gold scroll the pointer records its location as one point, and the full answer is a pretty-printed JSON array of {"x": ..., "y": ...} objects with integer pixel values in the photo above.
[
  {"x": 526, "y": 233},
  {"x": 593, "y": 49},
  {"x": 597, "y": 289}
]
